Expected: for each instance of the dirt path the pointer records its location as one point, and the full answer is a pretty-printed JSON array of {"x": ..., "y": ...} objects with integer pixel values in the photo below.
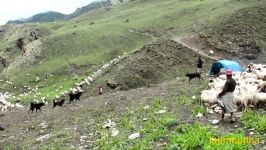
[
  {"x": 197, "y": 50},
  {"x": 180, "y": 40}
]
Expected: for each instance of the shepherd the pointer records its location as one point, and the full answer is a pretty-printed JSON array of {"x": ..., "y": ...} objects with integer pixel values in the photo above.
[
  {"x": 100, "y": 90},
  {"x": 200, "y": 62},
  {"x": 226, "y": 97}
]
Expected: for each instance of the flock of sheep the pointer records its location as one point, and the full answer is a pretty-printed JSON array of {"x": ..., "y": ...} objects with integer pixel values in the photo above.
[
  {"x": 6, "y": 105},
  {"x": 247, "y": 92}
]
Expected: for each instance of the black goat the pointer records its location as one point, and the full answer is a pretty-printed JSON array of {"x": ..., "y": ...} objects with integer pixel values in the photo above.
[
  {"x": 193, "y": 75},
  {"x": 36, "y": 106},
  {"x": 74, "y": 96},
  {"x": 58, "y": 103},
  {"x": 112, "y": 85}
]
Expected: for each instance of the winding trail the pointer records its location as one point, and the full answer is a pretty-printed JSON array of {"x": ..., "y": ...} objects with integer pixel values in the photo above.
[
  {"x": 178, "y": 40},
  {"x": 200, "y": 52}
]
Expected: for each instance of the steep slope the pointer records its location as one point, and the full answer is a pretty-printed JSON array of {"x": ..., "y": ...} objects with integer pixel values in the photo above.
[
  {"x": 241, "y": 33},
  {"x": 72, "y": 50},
  {"x": 90, "y": 7}
]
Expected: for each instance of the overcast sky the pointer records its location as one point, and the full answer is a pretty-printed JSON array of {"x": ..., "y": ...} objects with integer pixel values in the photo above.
[{"x": 16, "y": 9}]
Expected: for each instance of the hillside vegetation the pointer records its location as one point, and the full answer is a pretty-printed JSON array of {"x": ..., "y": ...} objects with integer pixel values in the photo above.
[
  {"x": 67, "y": 51},
  {"x": 240, "y": 33},
  {"x": 154, "y": 106}
]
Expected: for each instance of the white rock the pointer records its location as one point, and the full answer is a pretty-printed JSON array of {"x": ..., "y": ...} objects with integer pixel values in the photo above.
[
  {"x": 210, "y": 111},
  {"x": 251, "y": 133},
  {"x": 115, "y": 132},
  {"x": 199, "y": 115},
  {"x": 252, "y": 129},
  {"x": 211, "y": 52},
  {"x": 109, "y": 124},
  {"x": 43, "y": 125},
  {"x": 215, "y": 121},
  {"x": 147, "y": 107},
  {"x": 134, "y": 136},
  {"x": 145, "y": 119},
  {"x": 193, "y": 97},
  {"x": 160, "y": 112},
  {"x": 43, "y": 138}
]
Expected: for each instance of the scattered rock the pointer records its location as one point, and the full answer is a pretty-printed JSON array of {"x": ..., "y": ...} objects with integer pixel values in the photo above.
[
  {"x": 211, "y": 52},
  {"x": 251, "y": 133},
  {"x": 193, "y": 97},
  {"x": 214, "y": 122},
  {"x": 147, "y": 107},
  {"x": 199, "y": 115},
  {"x": 236, "y": 126},
  {"x": 91, "y": 134},
  {"x": 252, "y": 129},
  {"x": 43, "y": 138},
  {"x": 108, "y": 124},
  {"x": 43, "y": 125},
  {"x": 82, "y": 139},
  {"x": 134, "y": 136},
  {"x": 115, "y": 132},
  {"x": 160, "y": 112},
  {"x": 145, "y": 119}
]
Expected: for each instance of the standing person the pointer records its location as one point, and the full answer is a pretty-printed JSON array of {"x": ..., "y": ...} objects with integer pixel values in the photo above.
[
  {"x": 226, "y": 97},
  {"x": 100, "y": 90},
  {"x": 199, "y": 64}
]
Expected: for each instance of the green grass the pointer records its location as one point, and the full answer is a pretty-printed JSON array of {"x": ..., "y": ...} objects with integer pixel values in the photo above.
[
  {"x": 162, "y": 131},
  {"x": 77, "y": 42},
  {"x": 253, "y": 119}
]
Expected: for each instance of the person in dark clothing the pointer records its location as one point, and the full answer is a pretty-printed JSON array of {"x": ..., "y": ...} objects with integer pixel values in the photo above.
[
  {"x": 227, "y": 98},
  {"x": 199, "y": 64}
]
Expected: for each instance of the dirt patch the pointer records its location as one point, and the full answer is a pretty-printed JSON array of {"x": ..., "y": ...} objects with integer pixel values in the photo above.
[
  {"x": 195, "y": 41},
  {"x": 240, "y": 34}
]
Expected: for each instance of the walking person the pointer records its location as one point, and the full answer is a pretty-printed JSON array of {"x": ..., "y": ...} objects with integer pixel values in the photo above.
[
  {"x": 200, "y": 62},
  {"x": 226, "y": 97}
]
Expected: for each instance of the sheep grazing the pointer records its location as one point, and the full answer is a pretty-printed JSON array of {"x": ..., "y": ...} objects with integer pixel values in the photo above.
[
  {"x": 259, "y": 98},
  {"x": 37, "y": 106},
  {"x": 250, "y": 88}
]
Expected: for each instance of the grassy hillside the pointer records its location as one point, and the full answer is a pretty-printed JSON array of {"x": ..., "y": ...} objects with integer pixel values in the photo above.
[
  {"x": 241, "y": 33},
  {"x": 70, "y": 50}
]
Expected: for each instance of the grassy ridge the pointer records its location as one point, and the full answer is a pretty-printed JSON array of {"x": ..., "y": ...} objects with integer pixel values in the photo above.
[{"x": 103, "y": 34}]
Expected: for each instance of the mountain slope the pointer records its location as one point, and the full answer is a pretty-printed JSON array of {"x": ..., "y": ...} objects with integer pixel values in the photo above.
[
  {"x": 68, "y": 51},
  {"x": 52, "y": 16},
  {"x": 49, "y": 16}
]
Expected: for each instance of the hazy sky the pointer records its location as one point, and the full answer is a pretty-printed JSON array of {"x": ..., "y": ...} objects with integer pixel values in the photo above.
[{"x": 15, "y": 9}]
